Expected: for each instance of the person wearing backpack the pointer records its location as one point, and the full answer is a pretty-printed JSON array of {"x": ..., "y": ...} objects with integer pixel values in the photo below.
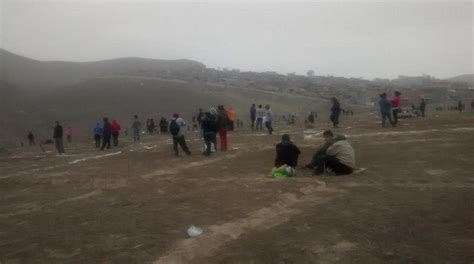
[
  {"x": 176, "y": 125},
  {"x": 222, "y": 123}
]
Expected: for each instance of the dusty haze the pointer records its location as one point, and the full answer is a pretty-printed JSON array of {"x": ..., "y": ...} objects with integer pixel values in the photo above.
[{"x": 362, "y": 39}]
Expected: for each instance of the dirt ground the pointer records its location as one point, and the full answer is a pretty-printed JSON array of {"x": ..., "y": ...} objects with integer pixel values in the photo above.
[{"x": 134, "y": 203}]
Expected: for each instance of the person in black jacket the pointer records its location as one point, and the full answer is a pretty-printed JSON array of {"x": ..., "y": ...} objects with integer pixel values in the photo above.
[
  {"x": 253, "y": 115},
  {"x": 58, "y": 138},
  {"x": 106, "y": 134},
  {"x": 287, "y": 153},
  {"x": 163, "y": 125},
  {"x": 335, "y": 112},
  {"x": 209, "y": 130},
  {"x": 31, "y": 139}
]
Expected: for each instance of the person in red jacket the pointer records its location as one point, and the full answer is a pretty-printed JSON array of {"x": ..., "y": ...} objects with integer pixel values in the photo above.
[
  {"x": 115, "y": 131},
  {"x": 222, "y": 124},
  {"x": 396, "y": 106}
]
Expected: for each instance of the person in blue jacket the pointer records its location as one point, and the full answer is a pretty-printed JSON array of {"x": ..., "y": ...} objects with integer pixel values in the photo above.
[
  {"x": 98, "y": 131},
  {"x": 385, "y": 109}
]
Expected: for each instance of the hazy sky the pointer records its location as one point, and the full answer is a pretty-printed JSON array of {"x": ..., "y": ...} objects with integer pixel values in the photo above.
[{"x": 356, "y": 39}]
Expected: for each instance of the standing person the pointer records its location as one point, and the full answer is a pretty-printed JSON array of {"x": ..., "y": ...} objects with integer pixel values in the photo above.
[
  {"x": 31, "y": 139},
  {"x": 213, "y": 113},
  {"x": 200, "y": 116},
  {"x": 253, "y": 115},
  {"x": 148, "y": 125},
  {"x": 136, "y": 126},
  {"x": 209, "y": 127},
  {"x": 152, "y": 125},
  {"x": 98, "y": 132},
  {"x": 58, "y": 138},
  {"x": 163, "y": 125},
  {"x": 460, "y": 106},
  {"x": 422, "y": 107},
  {"x": 260, "y": 114},
  {"x": 176, "y": 129},
  {"x": 115, "y": 127},
  {"x": 335, "y": 112},
  {"x": 106, "y": 134},
  {"x": 311, "y": 118},
  {"x": 385, "y": 109},
  {"x": 222, "y": 123},
  {"x": 69, "y": 133},
  {"x": 396, "y": 106},
  {"x": 195, "y": 124},
  {"x": 269, "y": 119},
  {"x": 231, "y": 116}
]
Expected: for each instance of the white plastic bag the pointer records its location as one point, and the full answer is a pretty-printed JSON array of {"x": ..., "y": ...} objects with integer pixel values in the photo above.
[{"x": 194, "y": 231}]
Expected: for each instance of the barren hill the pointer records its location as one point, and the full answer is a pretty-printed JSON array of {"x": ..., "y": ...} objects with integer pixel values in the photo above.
[
  {"x": 36, "y": 93},
  {"x": 29, "y": 73},
  {"x": 467, "y": 78}
]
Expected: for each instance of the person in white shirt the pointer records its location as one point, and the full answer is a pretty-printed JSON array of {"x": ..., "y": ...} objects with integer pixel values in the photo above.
[{"x": 260, "y": 115}]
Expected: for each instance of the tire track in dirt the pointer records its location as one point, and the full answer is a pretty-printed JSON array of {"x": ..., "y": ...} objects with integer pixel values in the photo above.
[
  {"x": 32, "y": 207},
  {"x": 409, "y": 185},
  {"x": 216, "y": 236},
  {"x": 196, "y": 164}
]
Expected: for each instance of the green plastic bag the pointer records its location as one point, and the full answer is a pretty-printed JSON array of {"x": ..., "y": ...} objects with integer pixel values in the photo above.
[{"x": 282, "y": 172}]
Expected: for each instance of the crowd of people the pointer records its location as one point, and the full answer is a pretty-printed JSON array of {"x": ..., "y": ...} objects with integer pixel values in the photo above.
[
  {"x": 390, "y": 108},
  {"x": 335, "y": 155},
  {"x": 260, "y": 116}
]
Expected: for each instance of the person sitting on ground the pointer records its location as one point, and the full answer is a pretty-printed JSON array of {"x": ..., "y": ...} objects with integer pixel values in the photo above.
[
  {"x": 286, "y": 159},
  {"x": 335, "y": 154},
  {"x": 287, "y": 152}
]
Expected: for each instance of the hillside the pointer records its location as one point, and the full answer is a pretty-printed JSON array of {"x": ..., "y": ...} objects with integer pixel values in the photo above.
[
  {"x": 85, "y": 103},
  {"x": 39, "y": 75},
  {"x": 35, "y": 93},
  {"x": 467, "y": 78}
]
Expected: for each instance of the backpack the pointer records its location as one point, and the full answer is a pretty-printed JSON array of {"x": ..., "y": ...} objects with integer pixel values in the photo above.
[{"x": 174, "y": 128}]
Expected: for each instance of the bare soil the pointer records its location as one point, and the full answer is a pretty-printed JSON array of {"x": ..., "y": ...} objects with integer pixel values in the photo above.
[{"x": 413, "y": 203}]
